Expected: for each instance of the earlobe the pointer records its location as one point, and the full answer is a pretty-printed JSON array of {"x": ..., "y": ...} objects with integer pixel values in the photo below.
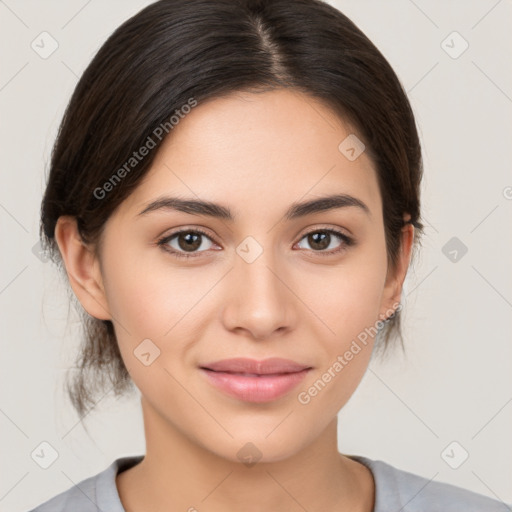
[
  {"x": 394, "y": 282},
  {"x": 82, "y": 268}
]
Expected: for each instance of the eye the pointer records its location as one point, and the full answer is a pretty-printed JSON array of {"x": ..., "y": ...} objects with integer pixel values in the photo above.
[
  {"x": 185, "y": 243},
  {"x": 322, "y": 239}
]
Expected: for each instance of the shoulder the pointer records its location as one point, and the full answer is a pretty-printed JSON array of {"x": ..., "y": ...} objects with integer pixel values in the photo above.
[
  {"x": 81, "y": 497},
  {"x": 396, "y": 489},
  {"x": 98, "y": 492}
]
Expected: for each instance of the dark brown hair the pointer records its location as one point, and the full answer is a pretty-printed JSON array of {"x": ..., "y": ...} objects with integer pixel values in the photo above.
[{"x": 174, "y": 50}]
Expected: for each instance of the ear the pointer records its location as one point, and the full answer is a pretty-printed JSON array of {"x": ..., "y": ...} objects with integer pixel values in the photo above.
[
  {"x": 396, "y": 277},
  {"x": 82, "y": 267}
]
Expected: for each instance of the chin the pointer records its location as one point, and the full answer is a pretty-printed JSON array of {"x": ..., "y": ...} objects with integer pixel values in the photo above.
[{"x": 252, "y": 445}]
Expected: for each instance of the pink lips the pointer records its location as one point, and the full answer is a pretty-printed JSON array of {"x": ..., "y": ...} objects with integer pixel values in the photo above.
[{"x": 255, "y": 381}]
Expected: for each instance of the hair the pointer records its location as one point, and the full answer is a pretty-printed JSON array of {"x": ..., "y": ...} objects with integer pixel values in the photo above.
[{"x": 172, "y": 51}]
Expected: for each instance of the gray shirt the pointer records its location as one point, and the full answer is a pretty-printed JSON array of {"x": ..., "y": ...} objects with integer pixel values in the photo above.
[{"x": 395, "y": 491}]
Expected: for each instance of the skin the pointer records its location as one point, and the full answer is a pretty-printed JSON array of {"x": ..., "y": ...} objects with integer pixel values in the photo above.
[{"x": 256, "y": 154}]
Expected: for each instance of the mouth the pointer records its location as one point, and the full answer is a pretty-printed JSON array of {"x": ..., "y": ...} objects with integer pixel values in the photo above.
[{"x": 254, "y": 388}]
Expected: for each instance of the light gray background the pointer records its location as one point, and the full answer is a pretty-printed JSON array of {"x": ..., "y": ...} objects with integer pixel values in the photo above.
[{"x": 455, "y": 383}]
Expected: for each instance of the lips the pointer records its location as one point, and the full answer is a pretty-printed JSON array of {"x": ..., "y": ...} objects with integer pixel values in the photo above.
[
  {"x": 240, "y": 365},
  {"x": 255, "y": 381}
]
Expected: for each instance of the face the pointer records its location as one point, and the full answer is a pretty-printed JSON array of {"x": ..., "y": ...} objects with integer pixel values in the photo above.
[{"x": 305, "y": 286}]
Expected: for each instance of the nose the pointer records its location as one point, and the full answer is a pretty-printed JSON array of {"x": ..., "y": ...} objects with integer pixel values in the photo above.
[{"x": 260, "y": 300}]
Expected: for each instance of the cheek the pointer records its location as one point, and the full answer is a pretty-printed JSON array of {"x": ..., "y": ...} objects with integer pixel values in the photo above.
[
  {"x": 166, "y": 305},
  {"x": 350, "y": 309},
  {"x": 347, "y": 298},
  {"x": 348, "y": 303},
  {"x": 147, "y": 297}
]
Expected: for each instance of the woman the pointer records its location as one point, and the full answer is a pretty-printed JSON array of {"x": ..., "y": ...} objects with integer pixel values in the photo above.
[{"x": 234, "y": 196}]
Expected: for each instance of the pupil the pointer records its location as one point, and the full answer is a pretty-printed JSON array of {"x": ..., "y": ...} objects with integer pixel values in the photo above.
[
  {"x": 192, "y": 241},
  {"x": 324, "y": 240}
]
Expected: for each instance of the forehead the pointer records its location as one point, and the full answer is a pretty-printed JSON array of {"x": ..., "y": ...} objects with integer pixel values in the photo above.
[{"x": 256, "y": 150}]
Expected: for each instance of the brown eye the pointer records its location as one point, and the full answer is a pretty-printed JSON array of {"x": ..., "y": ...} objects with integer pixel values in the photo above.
[
  {"x": 323, "y": 239},
  {"x": 319, "y": 240},
  {"x": 185, "y": 241},
  {"x": 189, "y": 241}
]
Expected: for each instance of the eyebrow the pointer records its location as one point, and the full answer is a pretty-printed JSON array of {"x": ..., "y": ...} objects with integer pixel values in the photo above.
[{"x": 296, "y": 210}]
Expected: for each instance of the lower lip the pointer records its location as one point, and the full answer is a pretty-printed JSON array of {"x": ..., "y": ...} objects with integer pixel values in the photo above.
[{"x": 255, "y": 389}]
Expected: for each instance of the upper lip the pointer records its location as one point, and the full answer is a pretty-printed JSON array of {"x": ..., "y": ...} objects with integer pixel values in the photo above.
[{"x": 265, "y": 367}]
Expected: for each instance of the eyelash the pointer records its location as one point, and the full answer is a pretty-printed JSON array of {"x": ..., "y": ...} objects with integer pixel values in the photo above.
[{"x": 348, "y": 242}]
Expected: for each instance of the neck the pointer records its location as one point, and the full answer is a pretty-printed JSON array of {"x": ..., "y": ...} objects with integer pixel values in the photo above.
[{"x": 178, "y": 473}]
